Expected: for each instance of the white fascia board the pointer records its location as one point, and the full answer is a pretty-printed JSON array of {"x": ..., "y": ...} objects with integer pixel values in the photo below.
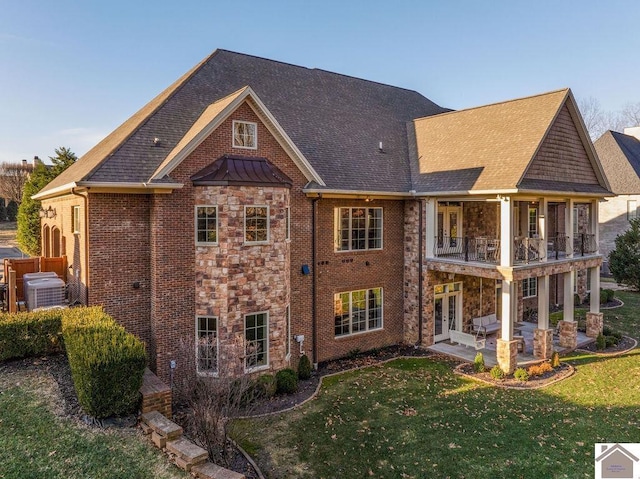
[
  {"x": 59, "y": 191},
  {"x": 54, "y": 192}
]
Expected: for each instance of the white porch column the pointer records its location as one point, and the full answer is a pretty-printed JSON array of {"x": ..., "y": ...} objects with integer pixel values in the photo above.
[
  {"x": 568, "y": 228},
  {"x": 595, "y": 319},
  {"x": 431, "y": 220},
  {"x": 542, "y": 227},
  {"x": 543, "y": 302},
  {"x": 595, "y": 228},
  {"x": 569, "y": 286},
  {"x": 506, "y": 235},
  {"x": 509, "y": 297},
  {"x": 568, "y": 328}
]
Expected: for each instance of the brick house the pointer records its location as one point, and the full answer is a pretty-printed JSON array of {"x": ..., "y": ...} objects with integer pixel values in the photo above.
[
  {"x": 620, "y": 157},
  {"x": 263, "y": 210}
]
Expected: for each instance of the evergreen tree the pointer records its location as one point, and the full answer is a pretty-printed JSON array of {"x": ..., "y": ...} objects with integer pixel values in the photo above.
[
  {"x": 29, "y": 211},
  {"x": 3, "y": 210},
  {"x": 12, "y": 210},
  {"x": 624, "y": 260}
]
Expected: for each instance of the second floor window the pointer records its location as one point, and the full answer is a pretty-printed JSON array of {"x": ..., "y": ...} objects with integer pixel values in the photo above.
[
  {"x": 245, "y": 135},
  {"x": 533, "y": 223},
  {"x": 358, "y": 229}
]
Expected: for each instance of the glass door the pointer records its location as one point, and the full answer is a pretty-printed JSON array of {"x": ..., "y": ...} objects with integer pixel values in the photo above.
[
  {"x": 449, "y": 229},
  {"x": 447, "y": 309}
]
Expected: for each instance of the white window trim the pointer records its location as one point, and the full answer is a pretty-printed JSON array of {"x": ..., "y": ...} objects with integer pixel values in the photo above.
[
  {"x": 632, "y": 209},
  {"x": 350, "y": 335},
  {"x": 526, "y": 292},
  {"x": 244, "y": 330},
  {"x": 233, "y": 135},
  {"x": 535, "y": 232},
  {"x": 288, "y": 224},
  {"x": 205, "y": 243},
  {"x": 336, "y": 233},
  {"x": 288, "y": 329},
  {"x": 75, "y": 213},
  {"x": 268, "y": 225},
  {"x": 197, "y": 330}
]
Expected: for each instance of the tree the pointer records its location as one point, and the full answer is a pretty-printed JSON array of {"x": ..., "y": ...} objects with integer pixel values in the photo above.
[
  {"x": 12, "y": 210},
  {"x": 13, "y": 176},
  {"x": 624, "y": 260},
  {"x": 29, "y": 211}
]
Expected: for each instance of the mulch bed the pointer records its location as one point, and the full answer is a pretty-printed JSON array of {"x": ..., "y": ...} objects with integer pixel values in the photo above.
[
  {"x": 623, "y": 345},
  {"x": 561, "y": 372}
]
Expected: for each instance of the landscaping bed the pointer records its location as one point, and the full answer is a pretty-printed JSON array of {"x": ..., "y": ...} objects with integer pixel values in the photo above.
[{"x": 563, "y": 371}]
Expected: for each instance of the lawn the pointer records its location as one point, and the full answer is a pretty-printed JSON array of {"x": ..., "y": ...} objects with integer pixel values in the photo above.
[
  {"x": 36, "y": 442},
  {"x": 414, "y": 418}
]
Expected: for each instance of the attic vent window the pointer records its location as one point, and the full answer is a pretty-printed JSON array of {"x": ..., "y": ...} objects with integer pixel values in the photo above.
[{"x": 245, "y": 135}]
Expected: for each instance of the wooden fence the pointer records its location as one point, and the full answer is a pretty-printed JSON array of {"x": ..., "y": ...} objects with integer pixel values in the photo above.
[{"x": 15, "y": 269}]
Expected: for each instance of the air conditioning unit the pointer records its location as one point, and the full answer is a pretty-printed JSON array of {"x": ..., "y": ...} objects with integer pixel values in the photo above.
[
  {"x": 31, "y": 276},
  {"x": 44, "y": 292}
]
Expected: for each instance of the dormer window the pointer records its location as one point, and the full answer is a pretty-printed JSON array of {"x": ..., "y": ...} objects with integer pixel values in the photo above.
[{"x": 245, "y": 135}]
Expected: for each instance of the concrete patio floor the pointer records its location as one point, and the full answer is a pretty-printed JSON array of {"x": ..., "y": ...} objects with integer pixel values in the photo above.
[{"x": 467, "y": 353}]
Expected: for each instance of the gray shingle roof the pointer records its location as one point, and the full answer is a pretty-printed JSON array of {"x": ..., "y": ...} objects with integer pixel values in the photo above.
[
  {"x": 336, "y": 121},
  {"x": 620, "y": 158}
]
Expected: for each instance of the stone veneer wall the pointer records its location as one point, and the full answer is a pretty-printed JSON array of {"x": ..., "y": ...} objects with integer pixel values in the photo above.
[
  {"x": 480, "y": 219},
  {"x": 412, "y": 258},
  {"x": 234, "y": 279}
]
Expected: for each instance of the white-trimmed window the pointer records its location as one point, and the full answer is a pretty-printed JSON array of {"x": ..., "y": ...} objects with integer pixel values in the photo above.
[
  {"x": 358, "y": 229},
  {"x": 206, "y": 225},
  {"x": 256, "y": 224},
  {"x": 358, "y": 311},
  {"x": 533, "y": 222},
  {"x": 256, "y": 339},
  {"x": 288, "y": 223},
  {"x": 245, "y": 134},
  {"x": 632, "y": 209},
  {"x": 75, "y": 219},
  {"x": 529, "y": 287},
  {"x": 207, "y": 344},
  {"x": 288, "y": 343}
]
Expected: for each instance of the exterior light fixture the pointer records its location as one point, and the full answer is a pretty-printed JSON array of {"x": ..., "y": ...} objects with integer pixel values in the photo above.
[{"x": 48, "y": 213}]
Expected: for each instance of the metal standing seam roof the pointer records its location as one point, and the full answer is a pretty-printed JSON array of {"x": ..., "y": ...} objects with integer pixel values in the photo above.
[{"x": 233, "y": 170}]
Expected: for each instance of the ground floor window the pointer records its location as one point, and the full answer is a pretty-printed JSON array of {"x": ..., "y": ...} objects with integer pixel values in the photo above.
[
  {"x": 529, "y": 287},
  {"x": 358, "y": 311},
  {"x": 256, "y": 335},
  {"x": 207, "y": 344}
]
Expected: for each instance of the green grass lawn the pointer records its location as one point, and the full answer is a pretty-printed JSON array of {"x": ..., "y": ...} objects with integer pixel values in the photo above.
[
  {"x": 35, "y": 442},
  {"x": 414, "y": 418}
]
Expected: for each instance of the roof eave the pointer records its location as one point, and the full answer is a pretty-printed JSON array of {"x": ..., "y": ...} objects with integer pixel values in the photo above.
[{"x": 106, "y": 186}]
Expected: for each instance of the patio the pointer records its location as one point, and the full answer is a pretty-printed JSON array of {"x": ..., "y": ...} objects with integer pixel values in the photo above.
[{"x": 466, "y": 353}]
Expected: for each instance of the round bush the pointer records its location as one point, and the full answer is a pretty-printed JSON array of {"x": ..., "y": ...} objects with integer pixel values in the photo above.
[
  {"x": 478, "y": 363},
  {"x": 304, "y": 367},
  {"x": 497, "y": 372},
  {"x": 601, "y": 342},
  {"x": 266, "y": 385},
  {"x": 286, "y": 381},
  {"x": 521, "y": 374},
  {"x": 555, "y": 359}
]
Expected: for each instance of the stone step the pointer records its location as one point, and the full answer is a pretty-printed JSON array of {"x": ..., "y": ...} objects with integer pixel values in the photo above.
[
  {"x": 161, "y": 425},
  {"x": 187, "y": 451},
  {"x": 209, "y": 470}
]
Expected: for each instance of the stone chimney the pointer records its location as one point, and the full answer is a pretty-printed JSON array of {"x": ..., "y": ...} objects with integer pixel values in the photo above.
[
  {"x": 633, "y": 131},
  {"x": 36, "y": 160}
]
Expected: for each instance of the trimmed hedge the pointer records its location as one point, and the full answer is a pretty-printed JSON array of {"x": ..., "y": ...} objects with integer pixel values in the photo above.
[
  {"x": 107, "y": 363},
  {"x": 30, "y": 334}
]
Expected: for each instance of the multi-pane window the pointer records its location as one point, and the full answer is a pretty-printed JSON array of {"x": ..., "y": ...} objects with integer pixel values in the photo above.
[
  {"x": 207, "y": 344},
  {"x": 245, "y": 135},
  {"x": 256, "y": 338},
  {"x": 206, "y": 224},
  {"x": 632, "y": 209},
  {"x": 358, "y": 228},
  {"x": 529, "y": 287},
  {"x": 533, "y": 222},
  {"x": 358, "y": 311},
  {"x": 75, "y": 219},
  {"x": 256, "y": 224}
]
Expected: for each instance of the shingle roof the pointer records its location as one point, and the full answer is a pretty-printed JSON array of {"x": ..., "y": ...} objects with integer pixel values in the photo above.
[
  {"x": 620, "y": 158},
  {"x": 336, "y": 121},
  {"x": 241, "y": 171},
  {"x": 484, "y": 148}
]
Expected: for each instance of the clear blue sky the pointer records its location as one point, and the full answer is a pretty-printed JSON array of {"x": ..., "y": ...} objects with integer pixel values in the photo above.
[{"x": 71, "y": 71}]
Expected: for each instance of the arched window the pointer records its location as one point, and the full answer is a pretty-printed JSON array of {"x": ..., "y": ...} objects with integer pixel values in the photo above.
[
  {"x": 46, "y": 241},
  {"x": 55, "y": 242}
]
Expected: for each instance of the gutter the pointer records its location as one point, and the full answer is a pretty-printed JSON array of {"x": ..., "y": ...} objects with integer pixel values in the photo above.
[
  {"x": 70, "y": 187},
  {"x": 314, "y": 242},
  {"x": 420, "y": 272},
  {"x": 86, "y": 243}
]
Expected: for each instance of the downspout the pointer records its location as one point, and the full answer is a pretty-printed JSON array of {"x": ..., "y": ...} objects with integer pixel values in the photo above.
[
  {"x": 314, "y": 320},
  {"x": 420, "y": 262},
  {"x": 86, "y": 243}
]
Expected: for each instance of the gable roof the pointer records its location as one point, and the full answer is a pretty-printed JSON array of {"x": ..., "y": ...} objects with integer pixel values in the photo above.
[
  {"x": 620, "y": 158},
  {"x": 616, "y": 447},
  {"x": 241, "y": 171},
  {"x": 490, "y": 148},
  {"x": 336, "y": 122}
]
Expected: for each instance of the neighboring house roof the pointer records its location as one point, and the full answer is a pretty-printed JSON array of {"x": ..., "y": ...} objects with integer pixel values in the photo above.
[
  {"x": 337, "y": 123},
  {"x": 241, "y": 171},
  {"x": 620, "y": 158},
  {"x": 492, "y": 148}
]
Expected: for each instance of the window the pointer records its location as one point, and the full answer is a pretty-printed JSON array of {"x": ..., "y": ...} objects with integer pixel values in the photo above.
[
  {"x": 358, "y": 311},
  {"x": 529, "y": 287},
  {"x": 256, "y": 224},
  {"x": 206, "y": 224},
  {"x": 288, "y": 340},
  {"x": 245, "y": 135},
  {"x": 288, "y": 224},
  {"x": 256, "y": 336},
  {"x": 207, "y": 344},
  {"x": 75, "y": 219},
  {"x": 533, "y": 222},
  {"x": 358, "y": 228},
  {"x": 632, "y": 209}
]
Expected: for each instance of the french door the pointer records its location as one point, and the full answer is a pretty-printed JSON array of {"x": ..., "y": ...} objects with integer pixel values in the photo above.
[
  {"x": 449, "y": 229},
  {"x": 447, "y": 310}
]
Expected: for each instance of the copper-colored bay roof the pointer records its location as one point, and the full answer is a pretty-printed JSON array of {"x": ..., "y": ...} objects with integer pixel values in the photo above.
[{"x": 241, "y": 171}]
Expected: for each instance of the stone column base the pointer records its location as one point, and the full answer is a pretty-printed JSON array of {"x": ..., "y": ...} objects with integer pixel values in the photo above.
[
  {"x": 595, "y": 324},
  {"x": 507, "y": 354},
  {"x": 568, "y": 334},
  {"x": 542, "y": 343}
]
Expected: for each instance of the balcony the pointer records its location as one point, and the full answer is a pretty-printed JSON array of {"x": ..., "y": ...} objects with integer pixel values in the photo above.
[{"x": 480, "y": 249}]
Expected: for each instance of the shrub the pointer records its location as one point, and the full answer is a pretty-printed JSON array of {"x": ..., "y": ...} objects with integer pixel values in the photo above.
[
  {"x": 30, "y": 334},
  {"x": 106, "y": 362},
  {"x": 478, "y": 363},
  {"x": 266, "y": 385},
  {"x": 521, "y": 374},
  {"x": 601, "y": 342},
  {"x": 304, "y": 367},
  {"x": 539, "y": 369},
  {"x": 286, "y": 381},
  {"x": 606, "y": 295},
  {"x": 497, "y": 372},
  {"x": 555, "y": 360}
]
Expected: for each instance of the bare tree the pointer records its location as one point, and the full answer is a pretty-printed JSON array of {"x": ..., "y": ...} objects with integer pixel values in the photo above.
[
  {"x": 13, "y": 176},
  {"x": 598, "y": 120},
  {"x": 631, "y": 114}
]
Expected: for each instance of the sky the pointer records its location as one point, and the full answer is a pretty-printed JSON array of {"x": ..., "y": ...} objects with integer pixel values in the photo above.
[{"x": 72, "y": 71}]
